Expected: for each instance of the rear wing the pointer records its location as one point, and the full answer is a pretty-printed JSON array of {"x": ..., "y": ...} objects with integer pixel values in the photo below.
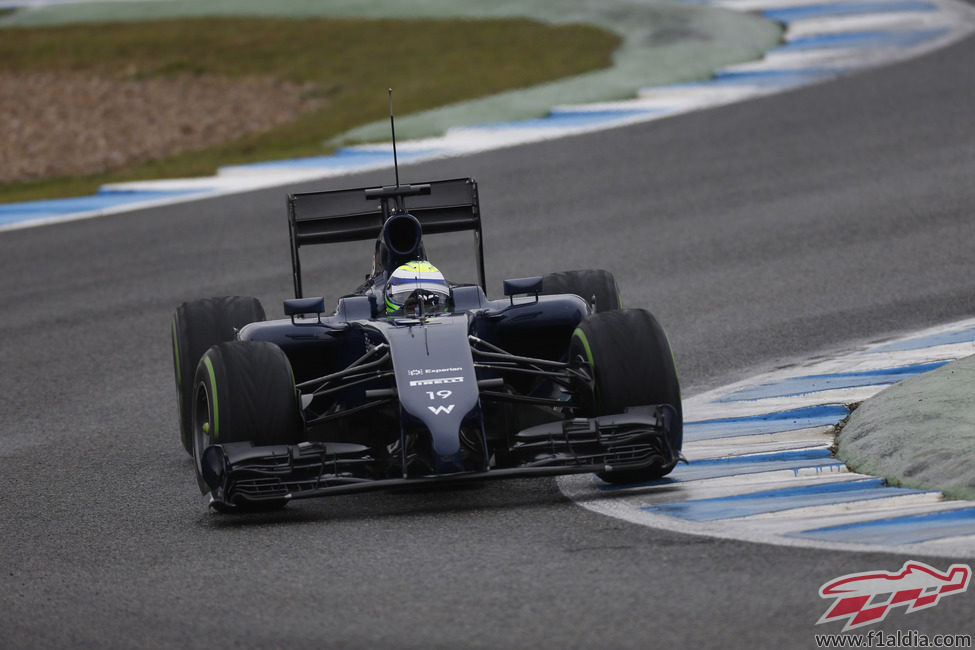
[{"x": 351, "y": 215}]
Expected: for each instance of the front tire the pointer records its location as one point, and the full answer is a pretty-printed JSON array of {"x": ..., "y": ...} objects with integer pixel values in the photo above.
[
  {"x": 243, "y": 391},
  {"x": 633, "y": 365}
]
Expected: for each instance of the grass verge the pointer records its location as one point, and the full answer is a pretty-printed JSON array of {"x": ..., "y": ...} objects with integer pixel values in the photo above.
[{"x": 347, "y": 63}]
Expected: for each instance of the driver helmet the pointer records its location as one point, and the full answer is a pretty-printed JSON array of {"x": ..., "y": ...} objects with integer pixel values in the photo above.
[{"x": 414, "y": 282}]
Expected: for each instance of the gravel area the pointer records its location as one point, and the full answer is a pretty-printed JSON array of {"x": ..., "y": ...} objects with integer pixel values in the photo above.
[{"x": 63, "y": 124}]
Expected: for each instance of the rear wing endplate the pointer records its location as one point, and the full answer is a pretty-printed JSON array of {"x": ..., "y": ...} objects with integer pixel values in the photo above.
[{"x": 351, "y": 215}]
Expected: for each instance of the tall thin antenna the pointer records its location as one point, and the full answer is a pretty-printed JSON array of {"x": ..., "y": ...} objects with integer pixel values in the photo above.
[{"x": 392, "y": 127}]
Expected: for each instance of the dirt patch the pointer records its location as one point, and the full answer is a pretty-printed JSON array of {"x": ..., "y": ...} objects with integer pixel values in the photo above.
[{"x": 64, "y": 124}]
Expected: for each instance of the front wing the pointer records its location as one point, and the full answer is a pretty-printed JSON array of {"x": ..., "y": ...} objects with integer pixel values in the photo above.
[{"x": 241, "y": 473}]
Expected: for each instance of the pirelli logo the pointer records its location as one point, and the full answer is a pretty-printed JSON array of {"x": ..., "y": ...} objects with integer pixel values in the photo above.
[{"x": 436, "y": 381}]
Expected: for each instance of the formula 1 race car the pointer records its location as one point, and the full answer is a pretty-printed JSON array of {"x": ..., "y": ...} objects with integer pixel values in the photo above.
[{"x": 413, "y": 380}]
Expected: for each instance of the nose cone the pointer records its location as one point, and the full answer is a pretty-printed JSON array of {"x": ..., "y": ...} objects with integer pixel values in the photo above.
[
  {"x": 448, "y": 463},
  {"x": 435, "y": 381}
]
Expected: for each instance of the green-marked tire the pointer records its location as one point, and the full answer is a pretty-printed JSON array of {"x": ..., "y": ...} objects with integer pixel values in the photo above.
[
  {"x": 195, "y": 327},
  {"x": 243, "y": 391},
  {"x": 588, "y": 284},
  {"x": 633, "y": 365}
]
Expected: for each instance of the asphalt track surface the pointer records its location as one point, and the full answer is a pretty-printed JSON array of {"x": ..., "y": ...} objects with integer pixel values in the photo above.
[{"x": 758, "y": 233}]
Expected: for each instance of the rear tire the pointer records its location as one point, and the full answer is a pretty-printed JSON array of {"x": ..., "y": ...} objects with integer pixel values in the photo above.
[
  {"x": 244, "y": 391},
  {"x": 196, "y": 326},
  {"x": 588, "y": 284},
  {"x": 633, "y": 366}
]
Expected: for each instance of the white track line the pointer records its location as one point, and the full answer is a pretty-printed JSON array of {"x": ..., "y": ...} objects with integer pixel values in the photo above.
[{"x": 807, "y": 498}]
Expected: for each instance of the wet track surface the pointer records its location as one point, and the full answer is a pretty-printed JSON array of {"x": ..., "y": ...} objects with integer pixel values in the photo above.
[{"x": 757, "y": 233}]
